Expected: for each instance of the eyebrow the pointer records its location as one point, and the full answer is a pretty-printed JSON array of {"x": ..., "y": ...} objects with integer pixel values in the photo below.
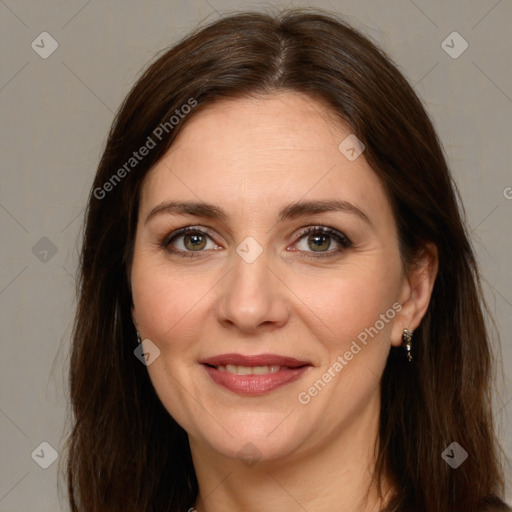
[{"x": 291, "y": 211}]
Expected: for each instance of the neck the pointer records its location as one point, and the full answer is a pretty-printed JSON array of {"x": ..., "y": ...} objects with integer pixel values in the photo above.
[{"x": 336, "y": 475}]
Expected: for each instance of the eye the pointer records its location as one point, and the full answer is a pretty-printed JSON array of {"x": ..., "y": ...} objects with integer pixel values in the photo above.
[
  {"x": 319, "y": 239},
  {"x": 317, "y": 242},
  {"x": 187, "y": 241}
]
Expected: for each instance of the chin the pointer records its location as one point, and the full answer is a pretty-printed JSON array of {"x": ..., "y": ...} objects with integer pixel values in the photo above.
[{"x": 254, "y": 440}]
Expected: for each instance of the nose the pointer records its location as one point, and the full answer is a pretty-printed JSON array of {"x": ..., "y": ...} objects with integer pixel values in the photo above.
[{"x": 252, "y": 297}]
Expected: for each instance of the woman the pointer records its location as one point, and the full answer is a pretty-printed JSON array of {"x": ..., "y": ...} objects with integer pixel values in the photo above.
[{"x": 279, "y": 306}]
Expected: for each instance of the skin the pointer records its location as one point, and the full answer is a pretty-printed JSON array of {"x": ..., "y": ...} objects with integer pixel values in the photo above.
[{"x": 251, "y": 157}]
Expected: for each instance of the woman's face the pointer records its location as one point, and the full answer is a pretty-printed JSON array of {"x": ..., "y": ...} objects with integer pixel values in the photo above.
[{"x": 274, "y": 315}]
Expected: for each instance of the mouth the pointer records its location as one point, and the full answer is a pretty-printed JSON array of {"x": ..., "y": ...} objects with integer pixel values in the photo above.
[{"x": 254, "y": 375}]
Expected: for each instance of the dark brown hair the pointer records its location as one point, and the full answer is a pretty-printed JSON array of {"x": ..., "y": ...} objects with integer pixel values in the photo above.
[{"x": 125, "y": 452}]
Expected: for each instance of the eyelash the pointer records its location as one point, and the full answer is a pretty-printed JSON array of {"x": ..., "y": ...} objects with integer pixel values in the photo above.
[{"x": 339, "y": 237}]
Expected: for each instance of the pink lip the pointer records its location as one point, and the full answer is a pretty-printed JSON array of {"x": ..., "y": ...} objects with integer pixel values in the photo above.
[
  {"x": 291, "y": 370},
  {"x": 254, "y": 360}
]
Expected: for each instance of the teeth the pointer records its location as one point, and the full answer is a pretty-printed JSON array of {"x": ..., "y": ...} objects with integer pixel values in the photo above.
[
  {"x": 248, "y": 370},
  {"x": 262, "y": 370}
]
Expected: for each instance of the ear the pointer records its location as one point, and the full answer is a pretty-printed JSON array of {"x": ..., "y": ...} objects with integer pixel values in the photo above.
[{"x": 415, "y": 292}]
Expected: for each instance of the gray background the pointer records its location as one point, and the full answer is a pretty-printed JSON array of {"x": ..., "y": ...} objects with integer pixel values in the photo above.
[{"x": 55, "y": 114}]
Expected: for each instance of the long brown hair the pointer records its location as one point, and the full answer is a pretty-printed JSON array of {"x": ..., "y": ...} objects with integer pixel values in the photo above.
[{"x": 125, "y": 452}]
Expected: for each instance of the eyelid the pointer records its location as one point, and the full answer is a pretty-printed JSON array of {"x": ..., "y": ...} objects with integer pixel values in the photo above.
[
  {"x": 183, "y": 231},
  {"x": 166, "y": 242},
  {"x": 321, "y": 229},
  {"x": 339, "y": 237}
]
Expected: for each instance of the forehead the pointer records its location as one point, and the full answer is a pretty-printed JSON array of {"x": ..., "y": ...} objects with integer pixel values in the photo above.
[{"x": 264, "y": 152}]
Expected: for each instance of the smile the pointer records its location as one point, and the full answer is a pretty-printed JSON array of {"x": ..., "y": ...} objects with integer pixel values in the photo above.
[
  {"x": 254, "y": 375},
  {"x": 248, "y": 370}
]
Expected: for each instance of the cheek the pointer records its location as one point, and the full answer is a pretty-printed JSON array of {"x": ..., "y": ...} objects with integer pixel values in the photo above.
[
  {"x": 354, "y": 338},
  {"x": 166, "y": 307},
  {"x": 346, "y": 303},
  {"x": 164, "y": 300}
]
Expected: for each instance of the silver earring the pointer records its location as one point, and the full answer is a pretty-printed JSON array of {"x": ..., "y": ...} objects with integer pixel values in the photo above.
[
  {"x": 139, "y": 340},
  {"x": 407, "y": 339}
]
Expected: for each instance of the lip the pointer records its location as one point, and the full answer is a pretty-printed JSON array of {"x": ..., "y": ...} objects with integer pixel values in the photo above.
[
  {"x": 254, "y": 360},
  {"x": 255, "y": 385}
]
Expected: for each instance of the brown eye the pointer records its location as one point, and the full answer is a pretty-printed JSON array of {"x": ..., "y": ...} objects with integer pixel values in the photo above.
[
  {"x": 194, "y": 241},
  {"x": 189, "y": 241},
  {"x": 319, "y": 242}
]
